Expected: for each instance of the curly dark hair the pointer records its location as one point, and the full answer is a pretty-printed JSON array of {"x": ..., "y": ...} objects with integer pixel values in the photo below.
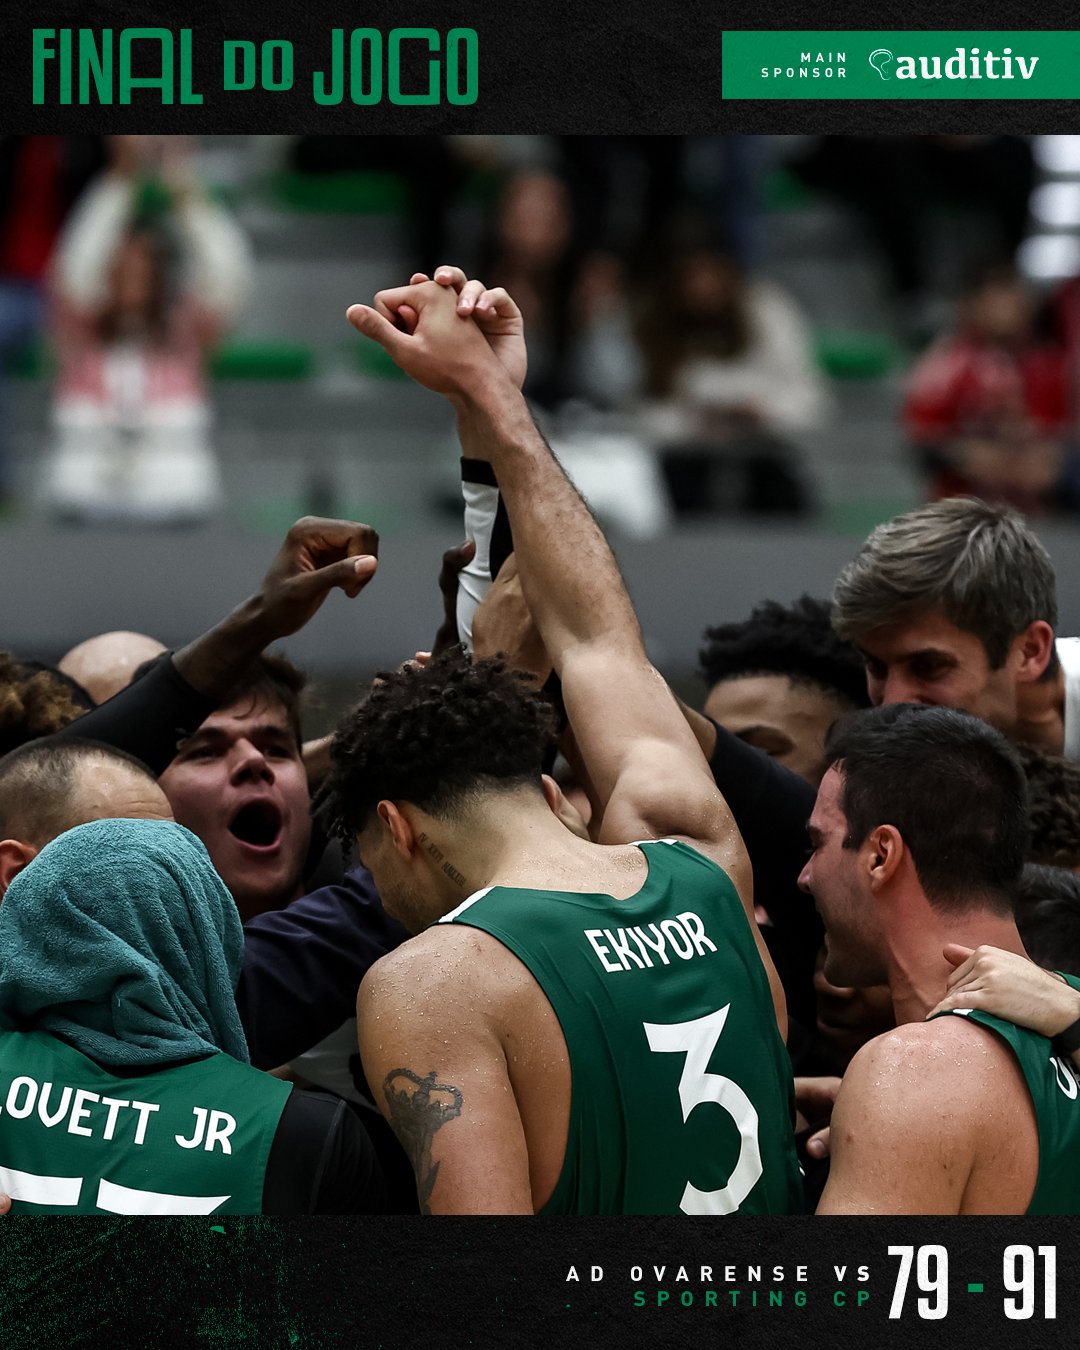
[
  {"x": 432, "y": 735},
  {"x": 1053, "y": 807},
  {"x": 35, "y": 700},
  {"x": 793, "y": 640},
  {"x": 1048, "y": 916}
]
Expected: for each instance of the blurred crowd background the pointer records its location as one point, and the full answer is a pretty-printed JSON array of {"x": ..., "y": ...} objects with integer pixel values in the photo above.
[{"x": 788, "y": 332}]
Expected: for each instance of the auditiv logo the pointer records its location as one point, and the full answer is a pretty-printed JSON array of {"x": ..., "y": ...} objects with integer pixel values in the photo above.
[{"x": 967, "y": 64}]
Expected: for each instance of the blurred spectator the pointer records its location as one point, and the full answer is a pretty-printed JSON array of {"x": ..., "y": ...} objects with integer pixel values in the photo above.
[
  {"x": 134, "y": 320},
  {"x": 533, "y": 253},
  {"x": 731, "y": 371},
  {"x": 40, "y": 178},
  {"x": 1061, "y": 317},
  {"x": 581, "y": 339},
  {"x": 724, "y": 177},
  {"x": 584, "y": 361},
  {"x": 628, "y": 191},
  {"x": 896, "y": 182},
  {"x": 988, "y": 405}
]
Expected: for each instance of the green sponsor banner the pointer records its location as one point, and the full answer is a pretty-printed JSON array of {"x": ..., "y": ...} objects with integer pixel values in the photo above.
[{"x": 913, "y": 64}]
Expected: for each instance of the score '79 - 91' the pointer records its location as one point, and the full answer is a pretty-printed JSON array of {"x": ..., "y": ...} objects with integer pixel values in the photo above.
[{"x": 1019, "y": 1278}]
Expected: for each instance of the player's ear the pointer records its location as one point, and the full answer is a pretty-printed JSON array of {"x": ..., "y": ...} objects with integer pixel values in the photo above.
[
  {"x": 562, "y": 807},
  {"x": 886, "y": 849},
  {"x": 398, "y": 827},
  {"x": 1034, "y": 648},
  {"x": 14, "y": 855},
  {"x": 553, "y": 794}
]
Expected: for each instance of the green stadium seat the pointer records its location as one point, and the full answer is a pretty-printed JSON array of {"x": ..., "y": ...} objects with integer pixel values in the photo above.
[
  {"x": 856, "y": 356},
  {"x": 782, "y": 191},
  {"x": 857, "y": 517},
  {"x": 249, "y": 359},
  {"x": 354, "y": 192},
  {"x": 371, "y": 360}
]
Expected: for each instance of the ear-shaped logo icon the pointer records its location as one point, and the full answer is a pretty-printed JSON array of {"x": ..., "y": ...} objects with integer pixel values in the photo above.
[{"x": 879, "y": 59}]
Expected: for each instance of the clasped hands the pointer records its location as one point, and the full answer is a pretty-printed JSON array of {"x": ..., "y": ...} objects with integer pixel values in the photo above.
[{"x": 451, "y": 334}]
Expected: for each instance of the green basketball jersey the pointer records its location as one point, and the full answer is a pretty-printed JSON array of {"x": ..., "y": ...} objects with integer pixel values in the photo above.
[
  {"x": 682, "y": 1096},
  {"x": 77, "y": 1139},
  {"x": 1052, "y": 1083}
]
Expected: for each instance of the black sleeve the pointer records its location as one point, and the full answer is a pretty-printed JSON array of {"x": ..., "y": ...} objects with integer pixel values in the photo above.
[
  {"x": 149, "y": 717},
  {"x": 771, "y": 806},
  {"x": 303, "y": 965},
  {"x": 322, "y": 1161}
]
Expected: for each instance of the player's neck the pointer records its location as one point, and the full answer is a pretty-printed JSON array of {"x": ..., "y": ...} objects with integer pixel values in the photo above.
[
  {"x": 537, "y": 851},
  {"x": 1041, "y": 714},
  {"x": 918, "y": 971},
  {"x": 514, "y": 841}
]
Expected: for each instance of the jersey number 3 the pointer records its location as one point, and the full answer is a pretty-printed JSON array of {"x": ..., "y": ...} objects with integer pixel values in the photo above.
[{"x": 697, "y": 1041}]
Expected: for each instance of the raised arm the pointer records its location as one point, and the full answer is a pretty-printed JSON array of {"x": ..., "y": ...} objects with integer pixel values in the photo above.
[
  {"x": 316, "y": 557},
  {"x": 644, "y": 761}
]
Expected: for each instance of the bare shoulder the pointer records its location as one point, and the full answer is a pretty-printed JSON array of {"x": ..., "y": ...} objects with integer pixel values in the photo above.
[
  {"x": 928, "y": 1058},
  {"x": 457, "y": 966},
  {"x": 451, "y": 942},
  {"x": 939, "y": 1083},
  {"x": 928, "y": 1121},
  {"x": 437, "y": 1000},
  {"x": 430, "y": 1018},
  {"x": 922, "y": 1042}
]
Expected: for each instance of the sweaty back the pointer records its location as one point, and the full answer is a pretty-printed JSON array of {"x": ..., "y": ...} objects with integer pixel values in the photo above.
[{"x": 681, "y": 1093}]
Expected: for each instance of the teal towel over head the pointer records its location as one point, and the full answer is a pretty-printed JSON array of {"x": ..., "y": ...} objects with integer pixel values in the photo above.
[{"x": 120, "y": 938}]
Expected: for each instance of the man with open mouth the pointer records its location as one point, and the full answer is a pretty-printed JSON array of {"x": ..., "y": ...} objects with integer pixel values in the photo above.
[{"x": 239, "y": 783}]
